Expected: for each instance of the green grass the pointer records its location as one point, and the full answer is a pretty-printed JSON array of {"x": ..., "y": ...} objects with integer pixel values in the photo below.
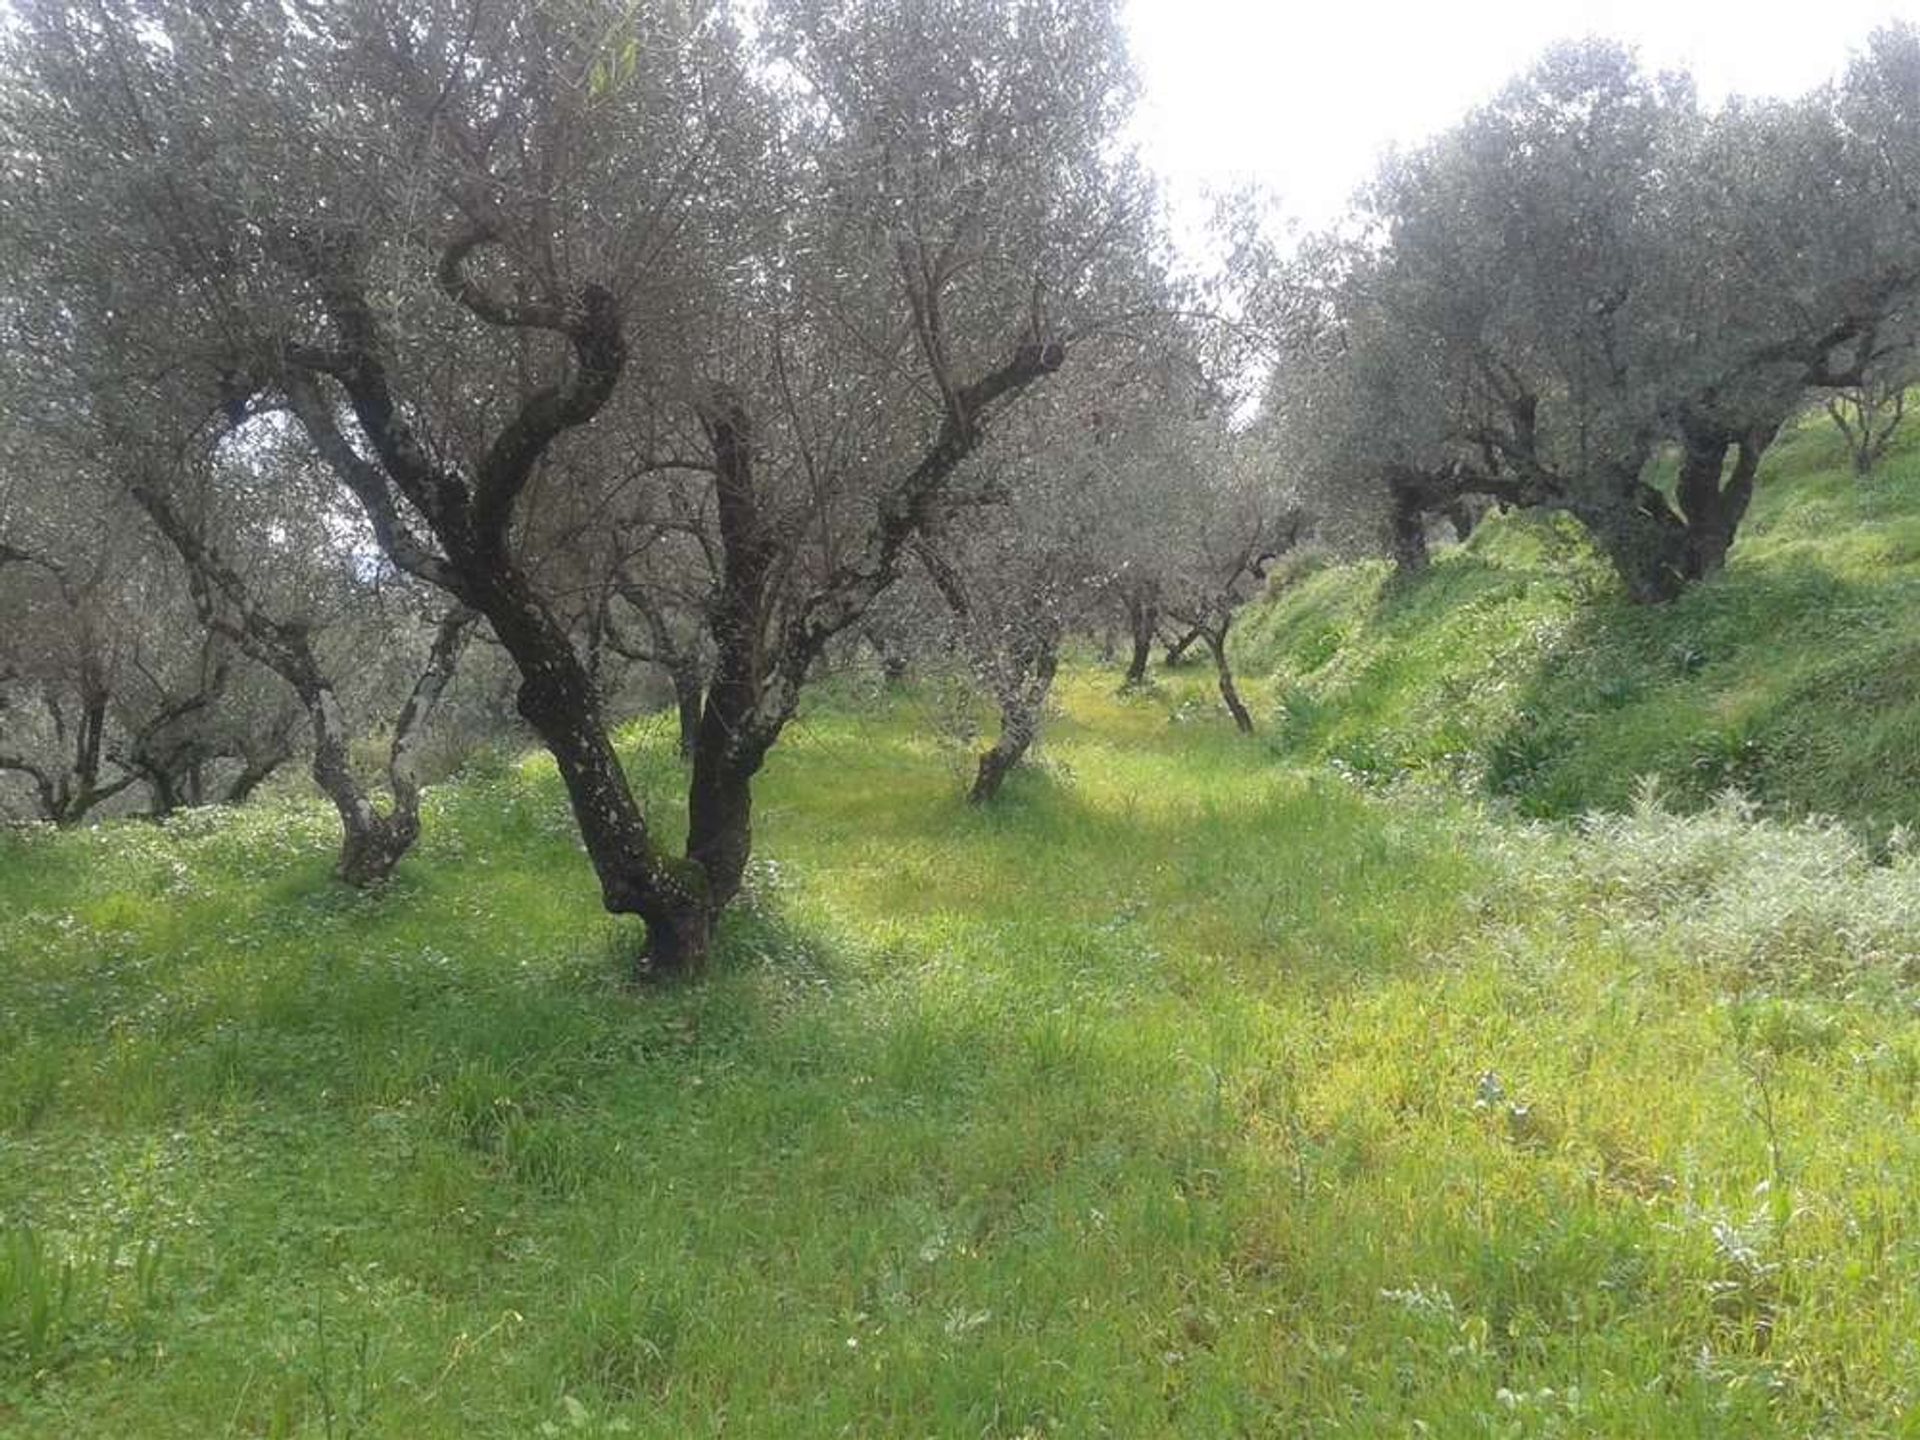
[
  {"x": 1202, "y": 1087},
  {"x": 1515, "y": 668},
  {"x": 1187, "y": 1093}
]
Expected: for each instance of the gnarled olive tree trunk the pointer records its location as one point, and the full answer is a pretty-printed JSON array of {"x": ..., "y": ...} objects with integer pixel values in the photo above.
[
  {"x": 1178, "y": 646},
  {"x": 1658, "y": 547},
  {"x": 1216, "y": 639},
  {"x": 377, "y": 840},
  {"x": 66, "y": 792},
  {"x": 374, "y": 839},
  {"x": 765, "y": 642},
  {"x": 1141, "y": 599},
  {"x": 1015, "y": 653},
  {"x": 1022, "y": 700},
  {"x": 1713, "y": 500}
]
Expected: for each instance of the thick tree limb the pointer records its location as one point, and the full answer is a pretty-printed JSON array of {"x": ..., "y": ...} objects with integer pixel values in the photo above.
[
  {"x": 333, "y": 263},
  {"x": 592, "y": 323},
  {"x": 914, "y": 503},
  {"x": 369, "y": 487},
  {"x": 464, "y": 290}
]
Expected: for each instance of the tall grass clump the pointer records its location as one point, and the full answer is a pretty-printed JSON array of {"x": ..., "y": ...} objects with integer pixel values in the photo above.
[{"x": 1804, "y": 900}]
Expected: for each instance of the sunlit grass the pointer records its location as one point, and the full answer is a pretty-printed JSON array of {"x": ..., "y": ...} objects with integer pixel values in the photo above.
[
  {"x": 1203, "y": 1086},
  {"x": 1185, "y": 1093}
]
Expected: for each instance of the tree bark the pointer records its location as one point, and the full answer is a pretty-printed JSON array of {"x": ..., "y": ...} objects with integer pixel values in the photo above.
[
  {"x": 1178, "y": 647},
  {"x": 996, "y": 762},
  {"x": 557, "y": 698},
  {"x": 761, "y": 665},
  {"x": 372, "y": 841},
  {"x": 376, "y": 841},
  {"x": 731, "y": 744},
  {"x": 1462, "y": 517},
  {"x": 1015, "y": 656},
  {"x": 720, "y": 816},
  {"x": 1408, "y": 528},
  {"x": 1216, "y": 639},
  {"x": 1143, "y": 619},
  {"x": 1713, "y": 501},
  {"x": 163, "y": 790},
  {"x": 1646, "y": 541},
  {"x": 688, "y": 695},
  {"x": 1022, "y": 704},
  {"x": 255, "y": 773},
  {"x": 68, "y": 797},
  {"x": 170, "y": 759},
  {"x": 404, "y": 755}
]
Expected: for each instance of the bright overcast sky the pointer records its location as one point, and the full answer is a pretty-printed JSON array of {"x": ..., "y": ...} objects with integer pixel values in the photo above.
[{"x": 1303, "y": 97}]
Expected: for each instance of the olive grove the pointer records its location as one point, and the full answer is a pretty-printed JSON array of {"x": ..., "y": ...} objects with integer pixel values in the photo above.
[
  {"x": 1592, "y": 275},
  {"x": 643, "y": 353},
  {"x": 503, "y": 268}
]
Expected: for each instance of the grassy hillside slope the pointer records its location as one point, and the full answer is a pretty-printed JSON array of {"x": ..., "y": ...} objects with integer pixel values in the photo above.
[{"x": 1514, "y": 667}]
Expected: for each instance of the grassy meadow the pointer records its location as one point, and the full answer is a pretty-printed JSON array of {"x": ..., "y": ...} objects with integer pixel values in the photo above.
[{"x": 1328, "y": 1083}]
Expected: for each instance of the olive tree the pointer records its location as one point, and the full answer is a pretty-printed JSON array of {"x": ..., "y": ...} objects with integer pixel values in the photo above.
[
  {"x": 1019, "y": 578},
  {"x": 110, "y": 695},
  {"x": 375, "y": 837},
  {"x": 1869, "y": 414},
  {"x": 475, "y": 249},
  {"x": 1590, "y": 270}
]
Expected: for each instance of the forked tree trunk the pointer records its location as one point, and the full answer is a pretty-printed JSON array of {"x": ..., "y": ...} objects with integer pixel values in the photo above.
[
  {"x": 375, "y": 840},
  {"x": 1713, "y": 501},
  {"x": 1649, "y": 556},
  {"x": 1016, "y": 658},
  {"x": 1639, "y": 531},
  {"x": 1658, "y": 548},
  {"x": 255, "y": 773},
  {"x": 1022, "y": 704},
  {"x": 68, "y": 796},
  {"x": 760, "y": 665},
  {"x": 371, "y": 843},
  {"x": 1178, "y": 647}
]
